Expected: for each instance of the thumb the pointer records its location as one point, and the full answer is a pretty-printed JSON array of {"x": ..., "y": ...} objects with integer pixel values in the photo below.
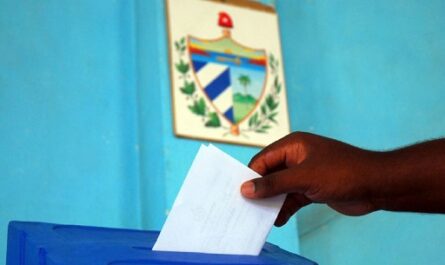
[{"x": 284, "y": 181}]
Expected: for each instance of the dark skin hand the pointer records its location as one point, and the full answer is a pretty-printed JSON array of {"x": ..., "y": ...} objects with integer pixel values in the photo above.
[{"x": 353, "y": 181}]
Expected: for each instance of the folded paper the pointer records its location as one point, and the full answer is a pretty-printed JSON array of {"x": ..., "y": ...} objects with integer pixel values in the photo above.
[{"x": 210, "y": 215}]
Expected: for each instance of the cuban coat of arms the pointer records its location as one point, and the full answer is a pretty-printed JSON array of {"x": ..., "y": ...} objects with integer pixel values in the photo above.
[{"x": 226, "y": 73}]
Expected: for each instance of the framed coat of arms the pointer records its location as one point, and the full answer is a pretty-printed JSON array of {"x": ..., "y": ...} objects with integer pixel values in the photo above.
[{"x": 226, "y": 71}]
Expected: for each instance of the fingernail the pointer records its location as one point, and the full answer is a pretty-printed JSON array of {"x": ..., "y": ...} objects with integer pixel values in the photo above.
[{"x": 248, "y": 188}]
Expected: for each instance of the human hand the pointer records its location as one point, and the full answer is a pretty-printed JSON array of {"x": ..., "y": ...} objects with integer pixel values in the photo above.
[{"x": 311, "y": 168}]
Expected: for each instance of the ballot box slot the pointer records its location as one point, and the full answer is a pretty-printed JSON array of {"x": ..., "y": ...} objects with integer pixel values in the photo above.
[
  {"x": 163, "y": 257},
  {"x": 158, "y": 262}
]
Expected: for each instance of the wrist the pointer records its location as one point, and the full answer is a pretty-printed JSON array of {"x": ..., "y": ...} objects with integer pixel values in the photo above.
[
  {"x": 404, "y": 181},
  {"x": 390, "y": 178},
  {"x": 377, "y": 181}
]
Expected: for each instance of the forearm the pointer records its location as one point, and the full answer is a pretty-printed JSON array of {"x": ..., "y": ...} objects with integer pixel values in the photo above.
[{"x": 413, "y": 178}]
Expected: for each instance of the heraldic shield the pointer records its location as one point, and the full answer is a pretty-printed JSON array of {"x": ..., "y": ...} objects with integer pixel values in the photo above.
[{"x": 231, "y": 75}]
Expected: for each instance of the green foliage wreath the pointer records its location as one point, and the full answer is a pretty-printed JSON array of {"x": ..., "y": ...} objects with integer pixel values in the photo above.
[
  {"x": 197, "y": 103},
  {"x": 260, "y": 122},
  {"x": 264, "y": 119}
]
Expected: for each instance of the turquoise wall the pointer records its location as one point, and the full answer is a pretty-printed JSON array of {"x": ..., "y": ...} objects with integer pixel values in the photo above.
[
  {"x": 68, "y": 130},
  {"x": 85, "y": 122},
  {"x": 371, "y": 73}
]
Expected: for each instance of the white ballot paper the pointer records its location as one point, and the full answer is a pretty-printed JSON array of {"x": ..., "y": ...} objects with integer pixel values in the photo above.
[{"x": 209, "y": 214}]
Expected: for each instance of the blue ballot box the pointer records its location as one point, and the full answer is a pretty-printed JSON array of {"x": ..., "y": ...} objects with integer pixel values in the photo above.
[{"x": 50, "y": 244}]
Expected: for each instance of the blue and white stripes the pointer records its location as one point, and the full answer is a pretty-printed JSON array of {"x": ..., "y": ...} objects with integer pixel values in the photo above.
[{"x": 215, "y": 80}]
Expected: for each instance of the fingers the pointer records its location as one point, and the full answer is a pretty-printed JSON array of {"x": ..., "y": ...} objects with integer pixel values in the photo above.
[
  {"x": 291, "y": 205},
  {"x": 281, "y": 182},
  {"x": 271, "y": 157},
  {"x": 278, "y": 154}
]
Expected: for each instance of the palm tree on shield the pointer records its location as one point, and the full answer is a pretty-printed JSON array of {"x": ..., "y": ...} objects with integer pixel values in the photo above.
[{"x": 245, "y": 82}]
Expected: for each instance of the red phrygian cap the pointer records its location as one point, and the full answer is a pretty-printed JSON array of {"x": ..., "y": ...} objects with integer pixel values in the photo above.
[{"x": 225, "y": 20}]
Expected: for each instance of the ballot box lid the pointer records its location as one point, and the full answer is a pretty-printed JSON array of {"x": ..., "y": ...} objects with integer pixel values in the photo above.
[{"x": 32, "y": 243}]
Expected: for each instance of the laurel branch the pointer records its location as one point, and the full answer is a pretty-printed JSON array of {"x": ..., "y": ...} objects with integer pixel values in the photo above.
[
  {"x": 197, "y": 104},
  {"x": 264, "y": 119}
]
